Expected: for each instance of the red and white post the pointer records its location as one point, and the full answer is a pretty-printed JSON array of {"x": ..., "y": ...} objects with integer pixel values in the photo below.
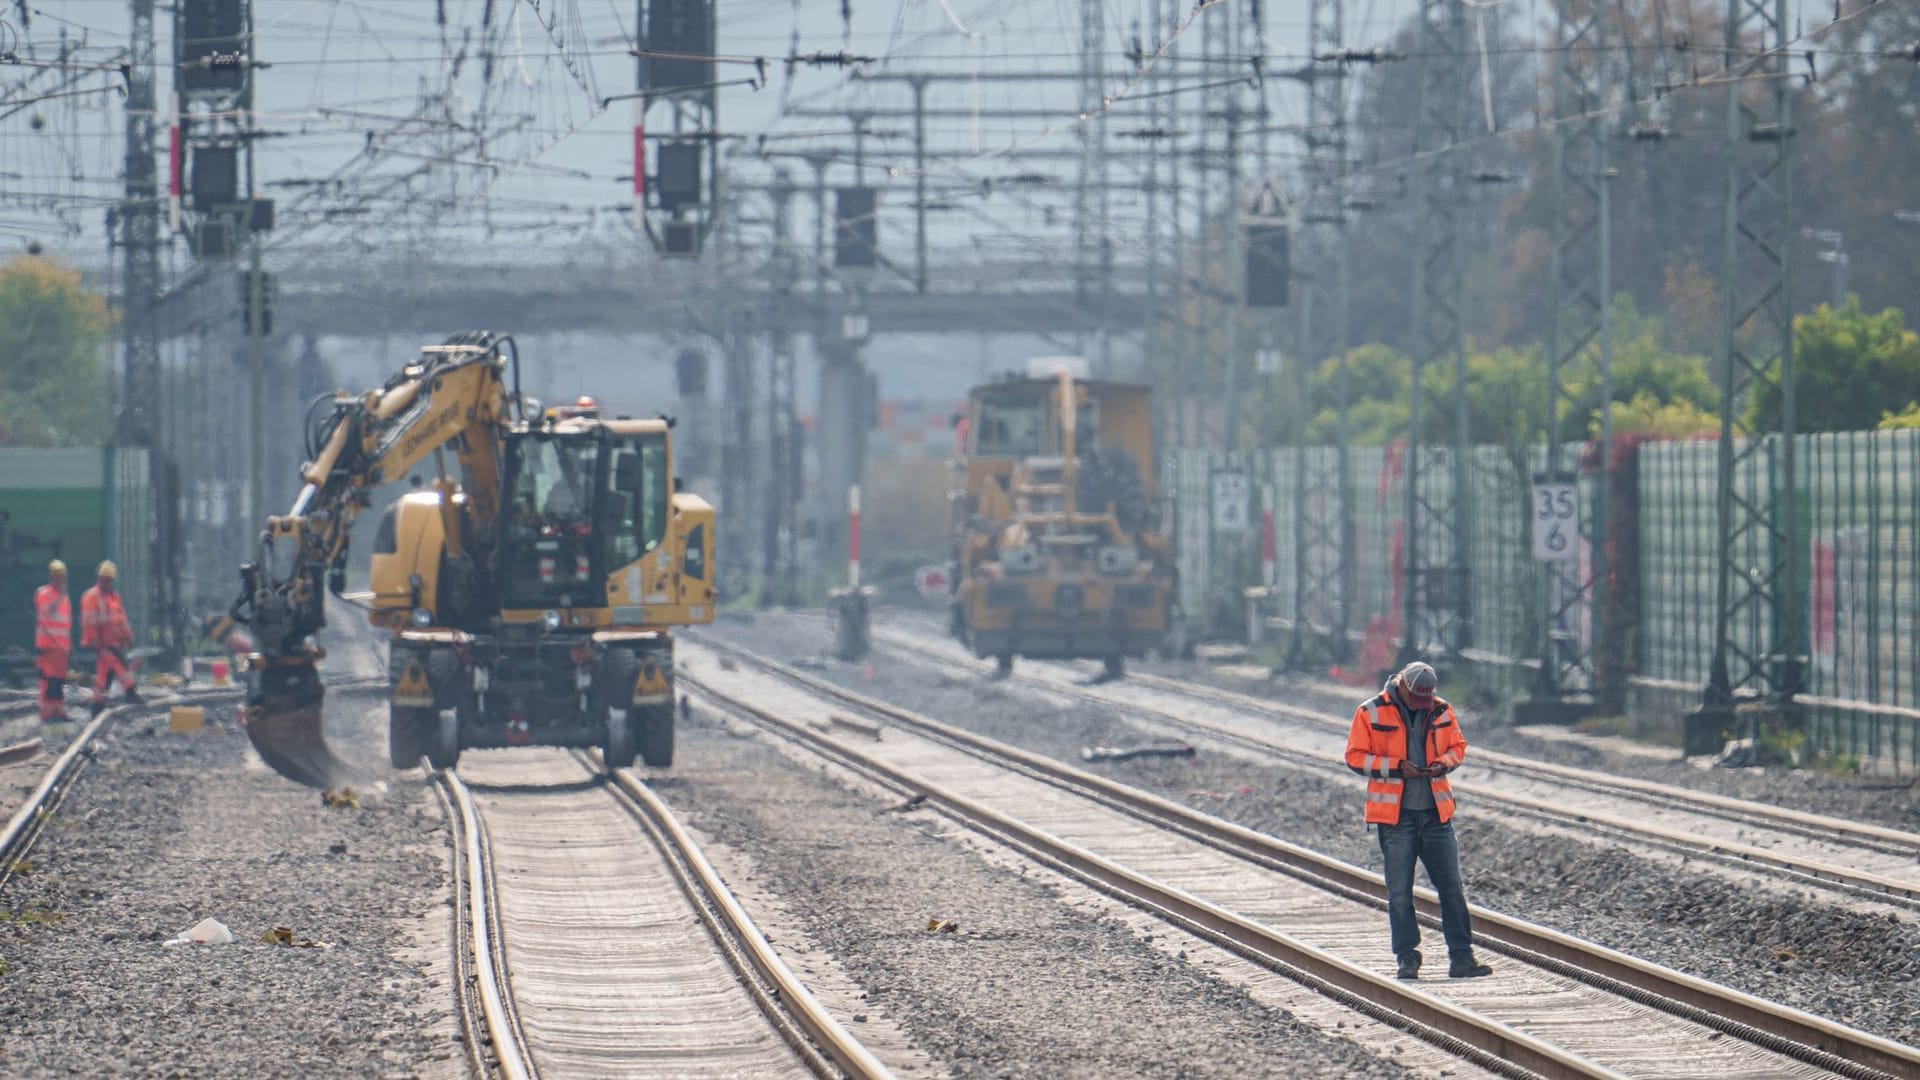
[
  {"x": 851, "y": 640},
  {"x": 173, "y": 169},
  {"x": 853, "y": 537},
  {"x": 1266, "y": 537},
  {"x": 639, "y": 162}
]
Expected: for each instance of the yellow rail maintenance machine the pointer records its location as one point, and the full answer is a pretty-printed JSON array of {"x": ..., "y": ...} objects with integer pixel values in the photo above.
[
  {"x": 1059, "y": 546},
  {"x": 529, "y": 600}
]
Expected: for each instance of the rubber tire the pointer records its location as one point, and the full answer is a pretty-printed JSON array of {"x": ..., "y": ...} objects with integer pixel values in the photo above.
[
  {"x": 446, "y": 677},
  {"x": 618, "y": 750},
  {"x": 655, "y": 735},
  {"x": 407, "y": 735},
  {"x": 443, "y": 750}
]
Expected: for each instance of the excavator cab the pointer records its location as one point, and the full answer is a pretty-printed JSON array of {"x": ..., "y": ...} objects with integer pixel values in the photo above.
[{"x": 583, "y": 503}]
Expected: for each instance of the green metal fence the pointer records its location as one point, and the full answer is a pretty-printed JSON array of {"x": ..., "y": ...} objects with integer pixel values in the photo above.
[
  {"x": 1500, "y": 603},
  {"x": 81, "y": 505},
  {"x": 1857, "y": 574}
]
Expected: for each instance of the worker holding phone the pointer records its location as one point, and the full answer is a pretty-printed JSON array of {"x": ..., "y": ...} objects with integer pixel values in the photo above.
[{"x": 1405, "y": 740}]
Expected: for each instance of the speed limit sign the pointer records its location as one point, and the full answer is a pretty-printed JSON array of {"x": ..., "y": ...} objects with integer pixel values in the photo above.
[{"x": 1556, "y": 522}]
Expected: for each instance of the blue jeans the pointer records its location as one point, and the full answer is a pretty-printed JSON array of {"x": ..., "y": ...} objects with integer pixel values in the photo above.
[{"x": 1421, "y": 834}]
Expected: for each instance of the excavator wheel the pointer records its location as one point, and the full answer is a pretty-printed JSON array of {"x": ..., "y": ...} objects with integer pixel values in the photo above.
[
  {"x": 618, "y": 751},
  {"x": 407, "y": 735},
  {"x": 443, "y": 752},
  {"x": 619, "y": 669},
  {"x": 656, "y": 735}
]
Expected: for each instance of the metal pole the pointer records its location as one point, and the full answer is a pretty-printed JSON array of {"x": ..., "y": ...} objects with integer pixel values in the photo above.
[
  {"x": 919, "y": 184},
  {"x": 137, "y": 423},
  {"x": 1758, "y": 546},
  {"x": 256, "y": 358},
  {"x": 1237, "y": 260},
  {"x": 1609, "y": 692},
  {"x": 1436, "y": 523}
]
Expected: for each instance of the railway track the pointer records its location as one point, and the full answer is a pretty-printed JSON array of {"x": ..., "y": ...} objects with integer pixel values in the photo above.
[
  {"x": 1863, "y": 861},
  {"x": 1556, "y": 1007},
  {"x": 599, "y": 940},
  {"x": 30, "y": 817}
]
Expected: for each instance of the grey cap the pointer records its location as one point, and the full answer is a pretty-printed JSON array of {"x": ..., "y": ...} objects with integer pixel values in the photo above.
[{"x": 1420, "y": 678}]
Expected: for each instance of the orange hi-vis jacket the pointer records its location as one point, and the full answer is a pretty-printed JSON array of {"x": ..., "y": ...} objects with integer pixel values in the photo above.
[
  {"x": 103, "y": 621},
  {"x": 52, "y": 620},
  {"x": 1377, "y": 744}
]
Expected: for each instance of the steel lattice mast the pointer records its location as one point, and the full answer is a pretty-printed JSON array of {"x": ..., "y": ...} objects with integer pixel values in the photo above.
[
  {"x": 1093, "y": 251},
  {"x": 1760, "y": 623},
  {"x": 1436, "y": 604},
  {"x": 138, "y": 423},
  {"x": 1579, "y": 323},
  {"x": 1323, "y": 520}
]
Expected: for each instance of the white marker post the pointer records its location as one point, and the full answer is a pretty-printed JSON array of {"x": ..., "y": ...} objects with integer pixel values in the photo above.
[
  {"x": 851, "y": 641},
  {"x": 853, "y": 537}
]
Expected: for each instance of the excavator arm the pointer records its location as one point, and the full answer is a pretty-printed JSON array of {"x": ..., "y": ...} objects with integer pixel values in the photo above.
[{"x": 457, "y": 392}]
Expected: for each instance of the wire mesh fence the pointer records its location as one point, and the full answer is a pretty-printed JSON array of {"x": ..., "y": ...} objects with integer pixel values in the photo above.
[{"x": 1648, "y": 636}]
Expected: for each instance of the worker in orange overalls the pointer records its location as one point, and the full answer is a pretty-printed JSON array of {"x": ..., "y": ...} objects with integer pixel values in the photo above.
[
  {"x": 1405, "y": 740},
  {"x": 53, "y": 641},
  {"x": 104, "y": 629}
]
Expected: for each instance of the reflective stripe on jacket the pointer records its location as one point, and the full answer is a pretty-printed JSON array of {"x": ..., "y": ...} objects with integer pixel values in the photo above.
[
  {"x": 103, "y": 621},
  {"x": 1377, "y": 744},
  {"x": 52, "y": 619}
]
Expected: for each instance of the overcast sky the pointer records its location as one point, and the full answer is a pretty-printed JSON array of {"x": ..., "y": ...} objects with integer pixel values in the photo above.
[{"x": 554, "y": 154}]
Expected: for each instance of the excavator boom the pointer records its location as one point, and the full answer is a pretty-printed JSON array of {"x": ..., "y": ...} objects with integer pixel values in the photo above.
[{"x": 457, "y": 389}]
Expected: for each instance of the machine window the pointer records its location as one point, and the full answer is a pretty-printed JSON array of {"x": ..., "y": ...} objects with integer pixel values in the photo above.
[
  {"x": 1011, "y": 427},
  {"x": 549, "y": 515},
  {"x": 1028, "y": 425},
  {"x": 386, "y": 539},
  {"x": 636, "y": 495}
]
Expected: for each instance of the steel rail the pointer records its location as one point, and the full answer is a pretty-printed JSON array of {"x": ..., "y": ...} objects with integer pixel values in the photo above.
[
  {"x": 31, "y": 818},
  {"x": 1780, "y": 1028},
  {"x": 1486, "y": 1042},
  {"x": 807, "y": 1025},
  {"x": 467, "y": 1006},
  {"x": 27, "y": 822},
  {"x": 1864, "y": 884},
  {"x": 1819, "y": 826},
  {"x": 489, "y": 969}
]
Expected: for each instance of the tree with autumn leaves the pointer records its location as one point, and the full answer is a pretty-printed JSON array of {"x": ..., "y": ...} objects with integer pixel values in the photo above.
[{"x": 54, "y": 388}]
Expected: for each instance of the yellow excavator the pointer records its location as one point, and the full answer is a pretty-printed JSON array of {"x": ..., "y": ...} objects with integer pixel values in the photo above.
[{"x": 530, "y": 597}]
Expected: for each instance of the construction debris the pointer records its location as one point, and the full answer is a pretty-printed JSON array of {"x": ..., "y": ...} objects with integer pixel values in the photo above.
[
  {"x": 208, "y": 931},
  {"x": 1128, "y": 753}
]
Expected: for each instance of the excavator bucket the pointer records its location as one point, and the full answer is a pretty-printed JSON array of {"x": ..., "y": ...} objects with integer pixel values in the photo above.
[{"x": 283, "y": 721}]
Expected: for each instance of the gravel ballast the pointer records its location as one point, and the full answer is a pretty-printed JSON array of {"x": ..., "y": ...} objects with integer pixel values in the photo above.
[
  {"x": 164, "y": 830},
  {"x": 1025, "y": 984},
  {"x": 1861, "y": 968}
]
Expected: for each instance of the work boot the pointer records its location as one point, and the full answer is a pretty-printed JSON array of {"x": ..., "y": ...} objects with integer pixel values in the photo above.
[
  {"x": 1464, "y": 966},
  {"x": 98, "y": 707},
  {"x": 1409, "y": 965},
  {"x": 134, "y": 696}
]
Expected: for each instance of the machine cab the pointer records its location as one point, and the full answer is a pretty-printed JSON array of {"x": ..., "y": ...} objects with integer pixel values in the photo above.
[{"x": 582, "y": 503}]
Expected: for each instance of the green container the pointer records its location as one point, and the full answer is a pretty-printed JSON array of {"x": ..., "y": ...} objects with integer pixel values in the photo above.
[{"x": 80, "y": 506}]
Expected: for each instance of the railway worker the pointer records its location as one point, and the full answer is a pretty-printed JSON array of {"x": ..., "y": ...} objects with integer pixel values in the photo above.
[
  {"x": 104, "y": 629},
  {"x": 1405, "y": 740},
  {"x": 53, "y": 641}
]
